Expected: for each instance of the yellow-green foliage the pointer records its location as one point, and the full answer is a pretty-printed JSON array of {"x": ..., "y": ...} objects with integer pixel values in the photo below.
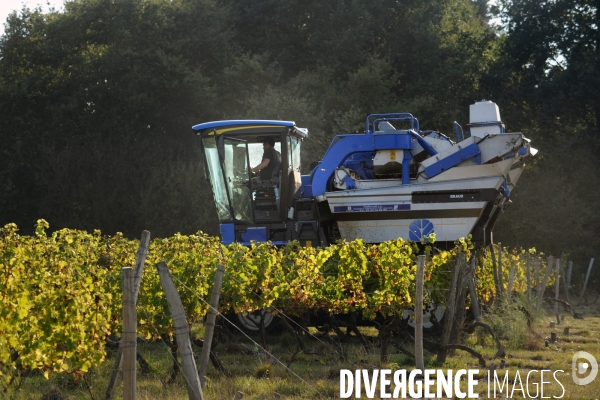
[
  {"x": 61, "y": 293},
  {"x": 516, "y": 259},
  {"x": 55, "y": 301}
]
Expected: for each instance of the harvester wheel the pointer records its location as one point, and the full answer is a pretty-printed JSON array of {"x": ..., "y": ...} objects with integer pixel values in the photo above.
[
  {"x": 438, "y": 312},
  {"x": 250, "y": 322}
]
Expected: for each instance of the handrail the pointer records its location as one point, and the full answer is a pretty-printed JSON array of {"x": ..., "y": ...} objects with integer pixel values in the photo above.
[
  {"x": 423, "y": 143},
  {"x": 414, "y": 123},
  {"x": 456, "y": 127}
]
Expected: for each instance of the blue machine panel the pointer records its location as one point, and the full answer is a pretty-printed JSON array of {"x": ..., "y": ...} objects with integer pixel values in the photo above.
[
  {"x": 387, "y": 141},
  {"x": 258, "y": 234},
  {"x": 448, "y": 162},
  {"x": 306, "y": 191},
  {"x": 227, "y": 233}
]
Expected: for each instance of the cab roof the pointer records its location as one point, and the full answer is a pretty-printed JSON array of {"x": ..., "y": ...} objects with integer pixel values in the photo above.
[
  {"x": 248, "y": 127},
  {"x": 236, "y": 122}
]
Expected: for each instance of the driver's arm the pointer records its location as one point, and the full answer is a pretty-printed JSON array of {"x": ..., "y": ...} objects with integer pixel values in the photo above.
[{"x": 260, "y": 166}]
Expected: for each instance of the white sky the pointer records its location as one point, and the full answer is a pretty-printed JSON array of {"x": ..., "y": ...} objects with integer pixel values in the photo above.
[{"x": 8, "y": 6}]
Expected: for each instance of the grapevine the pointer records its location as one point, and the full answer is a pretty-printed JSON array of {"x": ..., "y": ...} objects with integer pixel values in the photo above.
[{"x": 60, "y": 294}]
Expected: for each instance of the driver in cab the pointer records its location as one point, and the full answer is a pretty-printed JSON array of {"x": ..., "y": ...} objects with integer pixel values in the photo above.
[{"x": 270, "y": 160}]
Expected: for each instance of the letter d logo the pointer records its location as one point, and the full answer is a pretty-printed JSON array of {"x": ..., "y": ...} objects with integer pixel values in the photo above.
[{"x": 581, "y": 368}]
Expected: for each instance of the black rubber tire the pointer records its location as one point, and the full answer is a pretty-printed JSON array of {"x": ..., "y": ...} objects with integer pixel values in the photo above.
[{"x": 249, "y": 322}]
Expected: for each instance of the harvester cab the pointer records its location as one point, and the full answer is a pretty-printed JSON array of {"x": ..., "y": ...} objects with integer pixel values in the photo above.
[{"x": 249, "y": 207}]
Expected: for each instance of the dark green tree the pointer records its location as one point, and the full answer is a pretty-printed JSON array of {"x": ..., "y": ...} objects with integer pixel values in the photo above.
[
  {"x": 98, "y": 100},
  {"x": 548, "y": 79},
  {"x": 552, "y": 46},
  {"x": 97, "y": 106},
  {"x": 347, "y": 59}
]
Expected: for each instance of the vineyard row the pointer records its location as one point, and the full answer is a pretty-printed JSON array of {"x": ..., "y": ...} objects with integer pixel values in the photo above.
[{"x": 61, "y": 293}]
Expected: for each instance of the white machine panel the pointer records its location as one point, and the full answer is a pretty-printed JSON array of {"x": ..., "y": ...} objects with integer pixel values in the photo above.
[
  {"x": 445, "y": 229},
  {"x": 484, "y": 112}
]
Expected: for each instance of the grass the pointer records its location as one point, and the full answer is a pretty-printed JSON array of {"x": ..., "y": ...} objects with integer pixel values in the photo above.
[{"x": 315, "y": 373}]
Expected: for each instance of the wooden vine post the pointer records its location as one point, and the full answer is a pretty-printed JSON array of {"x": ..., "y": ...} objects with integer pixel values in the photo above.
[
  {"x": 500, "y": 271},
  {"x": 129, "y": 338},
  {"x": 567, "y": 282},
  {"x": 494, "y": 266},
  {"x": 538, "y": 284},
  {"x": 542, "y": 288},
  {"x": 459, "y": 305},
  {"x": 528, "y": 275},
  {"x": 182, "y": 333},
  {"x": 451, "y": 306},
  {"x": 557, "y": 290},
  {"x": 140, "y": 259},
  {"x": 209, "y": 326},
  {"x": 587, "y": 277},
  {"x": 471, "y": 284},
  {"x": 420, "y": 362},
  {"x": 511, "y": 278}
]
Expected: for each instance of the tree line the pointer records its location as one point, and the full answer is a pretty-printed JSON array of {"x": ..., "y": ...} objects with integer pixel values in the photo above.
[{"x": 97, "y": 101}]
